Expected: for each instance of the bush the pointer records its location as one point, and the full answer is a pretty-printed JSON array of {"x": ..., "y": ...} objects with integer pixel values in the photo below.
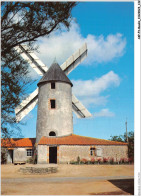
[
  {"x": 124, "y": 161},
  {"x": 93, "y": 161},
  {"x": 121, "y": 161},
  {"x": 78, "y": 160},
  {"x": 111, "y": 160},
  {"x": 99, "y": 160},
  {"x": 131, "y": 160},
  {"x": 30, "y": 160},
  {"x": 105, "y": 160},
  {"x": 84, "y": 161},
  {"x": 73, "y": 162}
]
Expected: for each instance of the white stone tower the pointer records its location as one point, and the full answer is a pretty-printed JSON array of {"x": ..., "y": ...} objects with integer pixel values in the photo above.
[{"x": 54, "y": 116}]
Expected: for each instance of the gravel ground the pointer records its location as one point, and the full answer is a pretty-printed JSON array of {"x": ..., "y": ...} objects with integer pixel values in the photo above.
[{"x": 69, "y": 180}]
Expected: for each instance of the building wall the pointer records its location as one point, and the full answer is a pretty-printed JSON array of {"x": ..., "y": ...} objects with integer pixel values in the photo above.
[
  {"x": 116, "y": 152},
  {"x": 19, "y": 155},
  {"x": 59, "y": 119},
  {"x": 69, "y": 153},
  {"x": 42, "y": 154}
]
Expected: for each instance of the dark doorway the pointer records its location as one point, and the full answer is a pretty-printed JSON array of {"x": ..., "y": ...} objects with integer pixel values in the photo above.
[
  {"x": 10, "y": 153},
  {"x": 53, "y": 154}
]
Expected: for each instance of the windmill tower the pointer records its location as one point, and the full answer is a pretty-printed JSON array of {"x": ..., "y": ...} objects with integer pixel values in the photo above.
[
  {"x": 54, "y": 95},
  {"x": 54, "y": 104}
]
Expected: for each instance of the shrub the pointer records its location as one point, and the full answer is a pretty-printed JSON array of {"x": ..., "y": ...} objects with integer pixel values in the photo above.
[
  {"x": 99, "y": 160},
  {"x": 30, "y": 160},
  {"x": 89, "y": 162},
  {"x": 73, "y": 162},
  {"x": 93, "y": 160},
  {"x": 105, "y": 160},
  {"x": 78, "y": 160},
  {"x": 131, "y": 160},
  {"x": 124, "y": 160},
  {"x": 84, "y": 161},
  {"x": 121, "y": 160},
  {"x": 111, "y": 160}
]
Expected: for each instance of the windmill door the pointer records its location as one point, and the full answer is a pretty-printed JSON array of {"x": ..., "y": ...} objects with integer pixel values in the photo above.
[{"x": 53, "y": 154}]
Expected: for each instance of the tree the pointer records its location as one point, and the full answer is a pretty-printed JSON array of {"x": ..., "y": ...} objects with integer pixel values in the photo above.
[
  {"x": 24, "y": 23},
  {"x": 3, "y": 155},
  {"x": 122, "y": 138},
  {"x": 117, "y": 138}
]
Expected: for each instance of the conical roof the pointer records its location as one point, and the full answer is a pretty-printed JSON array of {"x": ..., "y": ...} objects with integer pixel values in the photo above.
[{"x": 54, "y": 74}]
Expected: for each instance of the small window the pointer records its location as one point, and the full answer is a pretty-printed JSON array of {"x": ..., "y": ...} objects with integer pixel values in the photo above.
[
  {"x": 52, "y": 133},
  {"x": 53, "y": 85},
  {"x": 29, "y": 152},
  {"x": 99, "y": 152},
  {"x": 52, "y": 103},
  {"x": 92, "y": 151}
]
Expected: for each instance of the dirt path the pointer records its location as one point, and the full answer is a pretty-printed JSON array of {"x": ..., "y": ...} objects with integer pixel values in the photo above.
[
  {"x": 65, "y": 179},
  {"x": 70, "y": 180},
  {"x": 12, "y": 171},
  {"x": 102, "y": 187}
]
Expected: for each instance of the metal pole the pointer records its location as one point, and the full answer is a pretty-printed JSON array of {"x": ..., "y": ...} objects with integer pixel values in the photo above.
[{"x": 126, "y": 131}]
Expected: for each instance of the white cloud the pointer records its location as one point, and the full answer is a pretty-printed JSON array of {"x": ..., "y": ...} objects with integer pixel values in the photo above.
[
  {"x": 62, "y": 44},
  {"x": 94, "y": 100},
  {"x": 103, "y": 113},
  {"x": 89, "y": 91},
  {"x": 96, "y": 86},
  {"x": 105, "y": 49}
]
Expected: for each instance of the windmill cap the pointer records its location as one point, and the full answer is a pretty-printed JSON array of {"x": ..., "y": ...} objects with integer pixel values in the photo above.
[{"x": 55, "y": 74}]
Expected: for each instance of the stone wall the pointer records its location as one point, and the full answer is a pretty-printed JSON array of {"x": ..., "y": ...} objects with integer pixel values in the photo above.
[
  {"x": 42, "y": 154},
  {"x": 59, "y": 119},
  {"x": 69, "y": 153},
  {"x": 116, "y": 152},
  {"x": 38, "y": 170}
]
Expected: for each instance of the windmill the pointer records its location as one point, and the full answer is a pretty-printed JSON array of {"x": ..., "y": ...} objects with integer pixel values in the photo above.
[{"x": 69, "y": 65}]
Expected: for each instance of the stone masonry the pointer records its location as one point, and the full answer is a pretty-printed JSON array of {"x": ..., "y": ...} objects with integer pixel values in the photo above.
[
  {"x": 67, "y": 153},
  {"x": 59, "y": 119}
]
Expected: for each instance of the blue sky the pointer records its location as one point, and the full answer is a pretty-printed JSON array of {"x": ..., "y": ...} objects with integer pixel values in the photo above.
[{"x": 106, "y": 77}]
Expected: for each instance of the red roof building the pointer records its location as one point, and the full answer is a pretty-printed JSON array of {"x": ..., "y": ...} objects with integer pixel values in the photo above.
[
  {"x": 64, "y": 149},
  {"x": 76, "y": 140}
]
